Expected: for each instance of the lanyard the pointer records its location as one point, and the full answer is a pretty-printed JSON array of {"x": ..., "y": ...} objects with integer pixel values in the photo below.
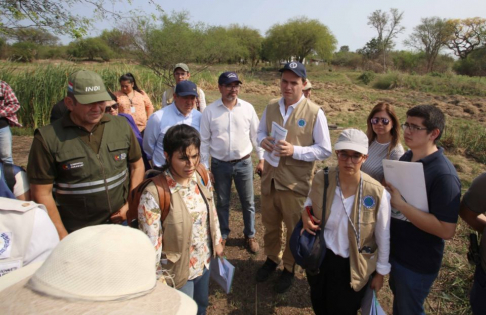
[{"x": 358, "y": 232}]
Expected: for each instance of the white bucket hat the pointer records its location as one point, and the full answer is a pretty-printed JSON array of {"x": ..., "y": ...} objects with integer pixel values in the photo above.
[
  {"x": 352, "y": 139},
  {"x": 104, "y": 269}
]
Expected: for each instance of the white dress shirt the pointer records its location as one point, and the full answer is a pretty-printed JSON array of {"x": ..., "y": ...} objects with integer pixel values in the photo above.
[
  {"x": 229, "y": 134},
  {"x": 336, "y": 228},
  {"x": 320, "y": 150},
  {"x": 201, "y": 95},
  {"x": 157, "y": 126}
]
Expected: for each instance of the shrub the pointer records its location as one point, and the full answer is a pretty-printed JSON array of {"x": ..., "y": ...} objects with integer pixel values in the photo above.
[
  {"x": 367, "y": 77},
  {"x": 23, "y": 52},
  {"x": 388, "y": 81}
]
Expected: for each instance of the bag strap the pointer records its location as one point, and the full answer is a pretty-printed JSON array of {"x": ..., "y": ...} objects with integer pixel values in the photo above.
[
  {"x": 201, "y": 170},
  {"x": 324, "y": 198},
  {"x": 9, "y": 174},
  {"x": 164, "y": 195}
]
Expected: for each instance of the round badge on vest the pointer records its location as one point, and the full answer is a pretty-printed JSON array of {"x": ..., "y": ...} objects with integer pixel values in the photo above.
[{"x": 369, "y": 202}]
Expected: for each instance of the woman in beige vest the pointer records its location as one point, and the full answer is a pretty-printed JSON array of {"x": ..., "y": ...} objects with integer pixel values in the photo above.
[
  {"x": 134, "y": 101},
  {"x": 189, "y": 236},
  {"x": 356, "y": 230}
]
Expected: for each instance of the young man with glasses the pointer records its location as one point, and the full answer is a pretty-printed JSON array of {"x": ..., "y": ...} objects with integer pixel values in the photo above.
[
  {"x": 417, "y": 242},
  {"x": 285, "y": 187},
  {"x": 229, "y": 134}
]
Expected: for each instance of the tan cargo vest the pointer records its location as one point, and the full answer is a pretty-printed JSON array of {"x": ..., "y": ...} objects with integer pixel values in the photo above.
[
  {"x": 16, "y": 223},
  {"x": 89, "y": 187},
  {"x": 291, "y": 174},
  {"x": 362, "y": 264},
  {"x": 177, "y": 237},
  {"x": 169, "y": 97}
]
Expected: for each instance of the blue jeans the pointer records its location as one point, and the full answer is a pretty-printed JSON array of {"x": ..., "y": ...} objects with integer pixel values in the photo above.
[
  {"x": 242, "y": 174},
  {"x": 409, "y": 289},
  {"x": 198, "y": 290},
  {"x": 478, "y": 292},
  {"x": 6, "y": 145}
]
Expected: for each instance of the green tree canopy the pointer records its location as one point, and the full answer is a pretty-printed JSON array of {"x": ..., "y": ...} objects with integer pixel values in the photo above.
[
  {"x": 299, "y": 38},
  {"x": 430, "y": 37}
]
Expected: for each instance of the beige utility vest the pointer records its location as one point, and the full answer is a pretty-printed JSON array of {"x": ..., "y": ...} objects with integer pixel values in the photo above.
[
  {"x": 292, "y": 174},
  {"x": 169, "y": 97},
  {"x": 362, "y": 264},
  {"x": 16, "y": 223},
  {"x": 177, "y": 236}
]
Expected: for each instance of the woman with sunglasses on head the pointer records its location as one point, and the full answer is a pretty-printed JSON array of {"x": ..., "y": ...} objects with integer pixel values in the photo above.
[
  {"x": 189, "y": 236},
  {"x": 112, "y": 108},
  {"x": 356, "y": 230},
  {"x": 384, "y": 139},
  {"x": 134, "y": 101}
]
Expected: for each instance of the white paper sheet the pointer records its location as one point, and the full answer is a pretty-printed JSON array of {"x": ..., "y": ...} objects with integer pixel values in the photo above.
[
  {"x": 222, "y": 271},
  {"x": 409, "y": 179},
  {"x": 370, "y": 304},
  {"x": 278, "y": 133}
]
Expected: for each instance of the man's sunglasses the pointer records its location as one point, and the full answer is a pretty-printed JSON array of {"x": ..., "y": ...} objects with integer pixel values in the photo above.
[
  {"x": 108, "y": 108},
  {"x": 376, "y": 120}
]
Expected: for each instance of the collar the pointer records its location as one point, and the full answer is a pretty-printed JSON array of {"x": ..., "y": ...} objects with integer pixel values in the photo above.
[
  {"x": 178, "y": 112},
  {"x": 281, "y": 102},
  {"x": 432, "y": 157},
  {"x": 175, "y": 186},
  {"x": 220, "y": 102},
  {"x": 68, "y": 122}
]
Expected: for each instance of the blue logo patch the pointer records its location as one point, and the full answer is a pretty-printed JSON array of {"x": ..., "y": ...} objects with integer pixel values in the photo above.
[
  {"x": 369, "y": 202},
  {"x": 301, "y": 123},
  {"x": 6, "y": 242}
]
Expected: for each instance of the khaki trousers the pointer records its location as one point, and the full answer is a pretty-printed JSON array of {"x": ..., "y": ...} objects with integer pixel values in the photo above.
[{"x": 277, "y": 207}]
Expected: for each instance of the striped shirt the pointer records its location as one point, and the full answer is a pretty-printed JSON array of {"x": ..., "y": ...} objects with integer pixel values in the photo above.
[{"x": 377, "y": 152}]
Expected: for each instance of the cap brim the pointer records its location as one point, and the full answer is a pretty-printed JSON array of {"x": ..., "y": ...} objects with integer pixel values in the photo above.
[
  {"x": 294, "y": 71},
  {"x": 93, "y": 98},
  {"x": 18, "y": 299},
  {"x": 187, "y": 94},
  {"x": 231, "y": 80},
  {"x": 344, "y": 145}
]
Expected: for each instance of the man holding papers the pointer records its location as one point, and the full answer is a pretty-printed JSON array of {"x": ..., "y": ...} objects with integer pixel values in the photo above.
[
  {"x": 285, "y": 184},
  {"x": 417, "y": 238}
]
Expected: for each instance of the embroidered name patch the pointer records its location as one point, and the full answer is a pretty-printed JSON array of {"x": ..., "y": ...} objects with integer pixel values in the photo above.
[
  {"x": 369, "y": 202},
  {"x": 72, "y": 165},
  {"x": 301, "y": 123},
  {"x": 120, "y": 157}
]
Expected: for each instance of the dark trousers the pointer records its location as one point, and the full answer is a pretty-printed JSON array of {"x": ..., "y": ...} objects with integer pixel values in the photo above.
[{"x": 330, "y": 290}]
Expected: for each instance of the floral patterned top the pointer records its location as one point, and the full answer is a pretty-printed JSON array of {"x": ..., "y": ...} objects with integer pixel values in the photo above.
[
  {"x": 139, "y": 107},
  {"x": 200, "y": 250}
]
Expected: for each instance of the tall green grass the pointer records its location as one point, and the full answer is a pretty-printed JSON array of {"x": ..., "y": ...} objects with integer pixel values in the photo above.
[
  {"x": 445, "y": 84},
  {"x": 465, "y": 137}
]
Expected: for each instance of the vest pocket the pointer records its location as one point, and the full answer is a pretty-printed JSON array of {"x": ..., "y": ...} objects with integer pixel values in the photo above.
[
  {"x": 119, "y": 153},
  {"x": 71, "y": 165}
]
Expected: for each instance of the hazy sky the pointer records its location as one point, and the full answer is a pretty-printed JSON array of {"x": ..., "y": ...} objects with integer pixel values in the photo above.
[{"x": 347, "y": 19}]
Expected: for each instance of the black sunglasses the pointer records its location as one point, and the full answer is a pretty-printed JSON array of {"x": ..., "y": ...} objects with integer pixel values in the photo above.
[
  {"x": 376, "y": 120},
  {"x": 108, "y": 108}
]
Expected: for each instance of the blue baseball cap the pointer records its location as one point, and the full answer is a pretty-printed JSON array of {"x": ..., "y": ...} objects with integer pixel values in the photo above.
[
  {"x": 296, "y": 67},
  {"x": 185, "y": 88},
  {"x": 228, "y": 77}
]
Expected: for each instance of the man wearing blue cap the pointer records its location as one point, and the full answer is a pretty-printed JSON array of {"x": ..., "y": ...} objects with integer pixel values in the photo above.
[
  {"x": 285, "y": 187},
  {"x": 228, "y": 130},
  {"x": 181, "y": 111}
]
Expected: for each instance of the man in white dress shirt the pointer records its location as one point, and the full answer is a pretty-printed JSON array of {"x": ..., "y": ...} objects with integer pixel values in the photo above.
[
  {"x": 181, "y": 111},
  {"x": 228, "y": 130},
  {"x": 285, "y": 187}
]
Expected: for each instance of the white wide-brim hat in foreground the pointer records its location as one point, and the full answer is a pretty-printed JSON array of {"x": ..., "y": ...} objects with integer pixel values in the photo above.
[{"x": 104, "y": 269}]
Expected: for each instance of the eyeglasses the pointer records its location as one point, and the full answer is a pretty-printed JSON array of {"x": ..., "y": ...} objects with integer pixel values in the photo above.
[
  {"x": 376, "y": 120},
  {"x": 232, "y": 87},
  {"x": 412, "y": 128},
  {"x": 109, "y": 108},
  {"x": 355, "y": 158}
]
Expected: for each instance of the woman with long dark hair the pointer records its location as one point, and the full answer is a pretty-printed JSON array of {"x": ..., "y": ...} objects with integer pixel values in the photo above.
[
  {"x": 384, "y": 139},
  {"x": 134, "y": 101}
]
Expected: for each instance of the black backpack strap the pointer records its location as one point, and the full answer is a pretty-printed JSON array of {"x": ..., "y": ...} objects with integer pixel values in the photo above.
[{"x": 9, "y": 175}]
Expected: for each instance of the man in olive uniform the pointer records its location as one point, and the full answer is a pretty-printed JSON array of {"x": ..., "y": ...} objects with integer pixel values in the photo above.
[
  {"x": 181, "y": 73},
  {"x": 88, "y": 159}
]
